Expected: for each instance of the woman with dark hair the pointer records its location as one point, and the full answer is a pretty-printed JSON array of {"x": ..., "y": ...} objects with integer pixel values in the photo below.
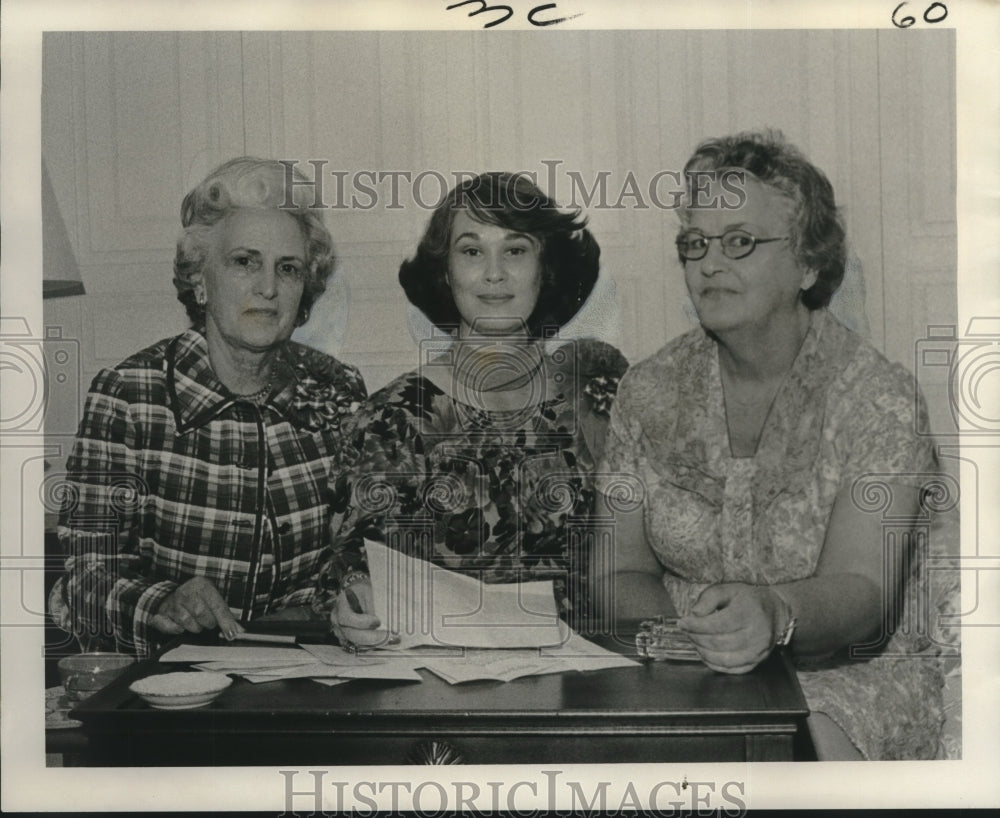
[
  {"x": 468, "y": 444},
  {"x": 196, "y": 493},
  {"x": 569, "y": 254},
  {"x": 764, "y": 440}
]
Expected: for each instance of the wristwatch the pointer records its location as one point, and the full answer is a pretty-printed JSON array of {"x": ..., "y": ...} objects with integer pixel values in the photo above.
[
  {"x": 352, "y": 578},
  {"x": 786, "y": 635}
]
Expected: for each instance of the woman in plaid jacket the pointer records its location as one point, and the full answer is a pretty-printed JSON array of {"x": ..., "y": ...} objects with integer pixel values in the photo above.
[{"x": 196, "y": 490}]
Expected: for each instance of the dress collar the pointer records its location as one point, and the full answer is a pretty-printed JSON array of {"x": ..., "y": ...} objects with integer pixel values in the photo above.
[
  {"x": 195, "y": 391},
  {"x": 695, "y": 437}
]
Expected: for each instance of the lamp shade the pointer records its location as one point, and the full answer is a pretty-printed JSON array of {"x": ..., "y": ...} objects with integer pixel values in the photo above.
[{"x": 60, "y": 272}]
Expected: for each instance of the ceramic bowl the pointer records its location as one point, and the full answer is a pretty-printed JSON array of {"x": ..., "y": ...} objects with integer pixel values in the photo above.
[
  {"x": 182, "y": 690},
  {"x": 86, "y": 673}
]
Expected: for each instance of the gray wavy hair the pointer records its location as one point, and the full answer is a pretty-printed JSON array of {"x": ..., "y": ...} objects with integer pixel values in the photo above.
[
  {"x": 249, "y": 182},
  {"x": 817, "y": 230}
]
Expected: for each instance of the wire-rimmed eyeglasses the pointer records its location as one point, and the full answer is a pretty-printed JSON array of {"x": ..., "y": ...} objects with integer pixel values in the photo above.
[{"x": 693, "y": 244}]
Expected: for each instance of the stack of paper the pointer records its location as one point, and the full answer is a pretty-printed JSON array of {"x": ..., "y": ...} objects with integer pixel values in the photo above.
[
  {"x": 428, "y": 605},
  {"x": 333, "y": 665},
  {"x": 263, "y": 664},
  {"x": 455, "y": 626},
  {"x": 505, "y": 665}
]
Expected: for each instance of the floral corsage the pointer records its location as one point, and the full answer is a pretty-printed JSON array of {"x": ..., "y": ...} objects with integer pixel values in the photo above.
[{"x": 326, "y": 391}]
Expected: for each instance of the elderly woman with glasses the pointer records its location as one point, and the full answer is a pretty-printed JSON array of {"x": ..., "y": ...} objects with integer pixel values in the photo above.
[
  {"x": 486, "y": 452},
  {"x": 196, "y": 489},
  {"x": 764, "y": 441}
]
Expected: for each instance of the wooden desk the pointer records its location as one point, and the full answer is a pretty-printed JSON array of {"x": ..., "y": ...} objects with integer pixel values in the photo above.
[{"x": 655, "y": 711}]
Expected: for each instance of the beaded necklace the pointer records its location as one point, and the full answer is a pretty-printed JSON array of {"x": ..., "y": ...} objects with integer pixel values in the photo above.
[{"x": 257, "y": 397}]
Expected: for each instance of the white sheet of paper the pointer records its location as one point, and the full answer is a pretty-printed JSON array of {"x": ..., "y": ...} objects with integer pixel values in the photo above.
[
  {"x": 500, "y": 666},
  {"x": 576, "y": 654},
  {"x": 252, "y": 664},
  {"x": 223, "y": 653},
  {"x": 338, "y": 657},
  {"x": 398, "y": 669},
  {"x": 307, "y": 671},
  {"x": 259, "y": 678},
  {"x": 428, "y": 605}
]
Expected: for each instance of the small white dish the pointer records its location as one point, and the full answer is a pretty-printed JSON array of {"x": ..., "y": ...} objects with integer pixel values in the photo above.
[{"x": 181, "y": 691}]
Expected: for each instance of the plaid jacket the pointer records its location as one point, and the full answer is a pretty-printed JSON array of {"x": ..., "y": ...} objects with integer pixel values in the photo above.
[{"x": 171, "y": 477}]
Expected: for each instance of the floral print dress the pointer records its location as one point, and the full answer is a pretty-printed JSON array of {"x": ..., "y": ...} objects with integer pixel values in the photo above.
[
  {"x": 488, "y": 494},
  {"x": 844, "y": 414}
]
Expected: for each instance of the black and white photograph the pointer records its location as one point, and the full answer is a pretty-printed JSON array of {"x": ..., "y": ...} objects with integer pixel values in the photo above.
[{"x": 600, "y": 405}]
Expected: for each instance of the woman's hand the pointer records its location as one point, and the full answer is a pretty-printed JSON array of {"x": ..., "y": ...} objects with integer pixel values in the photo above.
[
  {"x": 194, "y": 606},
  {"x": 734, "y": 626},
  {"x": 352, "y": 617}
]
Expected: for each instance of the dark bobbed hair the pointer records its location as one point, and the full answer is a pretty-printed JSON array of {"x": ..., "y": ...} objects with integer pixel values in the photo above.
[
  {"x": 248, "y": 182},
  {"x": 570, "y": 256},
  {"x": 817, "y": 233}
]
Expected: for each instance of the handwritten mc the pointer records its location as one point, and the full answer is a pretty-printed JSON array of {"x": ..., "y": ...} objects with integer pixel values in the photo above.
[{"x": 508, "y": 12}]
